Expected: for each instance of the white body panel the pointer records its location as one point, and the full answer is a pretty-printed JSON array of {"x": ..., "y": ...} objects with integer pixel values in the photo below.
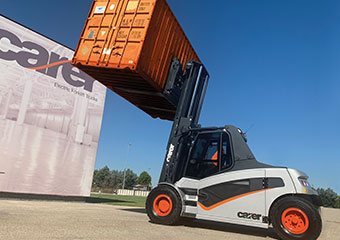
[
  {"x": 227, "y": 212},
  {"x": 255, "y": 202},
  {"x": 273, "y": 194},
  {"x": 187, "y": 183},
  {"x": 191, "y": 184}
]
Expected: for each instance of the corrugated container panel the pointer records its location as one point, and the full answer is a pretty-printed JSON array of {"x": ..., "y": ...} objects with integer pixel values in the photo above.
[{"x": 128, "y": 45}]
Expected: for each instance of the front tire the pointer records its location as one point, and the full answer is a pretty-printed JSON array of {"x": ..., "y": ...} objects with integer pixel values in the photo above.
[
  {"x": 164, "y": 205},
  {"x": 296, "y": 218}
]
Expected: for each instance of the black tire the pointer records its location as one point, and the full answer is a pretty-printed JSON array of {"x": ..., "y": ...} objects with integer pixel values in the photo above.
[
  {"x": 170, "y": 217},
  {"x": 292, "y": 212}
]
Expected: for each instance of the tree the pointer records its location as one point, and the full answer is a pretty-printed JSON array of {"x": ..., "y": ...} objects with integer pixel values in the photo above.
[
  {"x": 117, "y": 179},
  {"x": 337, "y": 203},
  {"x": 101, "y": 177},
  {"x": 130, "y": 179},
  {"x": 328, "y": 197},
  {"x": 144, "y": 179},
  {"x": 106, "y": 180}
]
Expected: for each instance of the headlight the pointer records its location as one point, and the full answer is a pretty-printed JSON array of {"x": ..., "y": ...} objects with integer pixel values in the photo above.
[{"x": 304, "y": 182}]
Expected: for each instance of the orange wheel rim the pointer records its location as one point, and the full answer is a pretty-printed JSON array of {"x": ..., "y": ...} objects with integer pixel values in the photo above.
[
  {"x": 295, "y": 221},
  {"x": 162, "y": 205}
]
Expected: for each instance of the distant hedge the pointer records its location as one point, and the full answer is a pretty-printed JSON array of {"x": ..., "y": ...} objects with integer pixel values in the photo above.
[{"x": 329, "y": 198}]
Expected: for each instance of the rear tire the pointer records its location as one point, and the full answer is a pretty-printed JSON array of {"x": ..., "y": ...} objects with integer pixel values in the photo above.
[
  {"x": 164, "y": 206},
  {"x": 296, "y": 218}
]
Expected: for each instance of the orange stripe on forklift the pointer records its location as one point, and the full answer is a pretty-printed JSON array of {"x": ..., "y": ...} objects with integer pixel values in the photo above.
[
  {"x": 229, "y": 200},
  {"x": 51, "y": 65}
]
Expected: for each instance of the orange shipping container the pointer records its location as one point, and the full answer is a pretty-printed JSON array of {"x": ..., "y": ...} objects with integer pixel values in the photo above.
[{"x": 128, "y": 45}]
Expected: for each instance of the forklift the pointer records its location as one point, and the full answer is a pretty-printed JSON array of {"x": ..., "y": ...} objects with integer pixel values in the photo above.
[{"x": 211, "y": 173}]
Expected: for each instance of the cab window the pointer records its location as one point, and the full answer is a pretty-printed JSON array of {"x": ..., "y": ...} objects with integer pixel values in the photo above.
[
  {"x": 210, "y": 154},
  {"x": 204, "y": 157},
  {"x": 226, "y": 157}
]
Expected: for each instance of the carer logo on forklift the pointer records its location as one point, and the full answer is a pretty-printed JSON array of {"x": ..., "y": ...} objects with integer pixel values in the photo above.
[
  {"x": 35, "y": 57},
  {"x": 246, "y": 215}
]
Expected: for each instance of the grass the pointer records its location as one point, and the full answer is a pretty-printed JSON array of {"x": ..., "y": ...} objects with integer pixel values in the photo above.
[{"x": 132, "y": 201}]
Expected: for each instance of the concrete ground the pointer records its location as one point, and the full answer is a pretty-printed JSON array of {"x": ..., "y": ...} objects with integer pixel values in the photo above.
[{"x": 38, "y": 220}]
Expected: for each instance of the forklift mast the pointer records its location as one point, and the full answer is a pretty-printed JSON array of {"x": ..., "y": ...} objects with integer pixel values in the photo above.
[{"x": 187, "y": 90}]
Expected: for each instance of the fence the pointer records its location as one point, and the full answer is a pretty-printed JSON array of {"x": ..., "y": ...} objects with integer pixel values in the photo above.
[{"x": 139, "y": 193}]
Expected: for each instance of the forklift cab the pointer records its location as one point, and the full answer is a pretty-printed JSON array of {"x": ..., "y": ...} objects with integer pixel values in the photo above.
[
  {"x": 211, "y": 168},
  {"x": 210, "y": 154},
  {"x": 218, "y": 150}
]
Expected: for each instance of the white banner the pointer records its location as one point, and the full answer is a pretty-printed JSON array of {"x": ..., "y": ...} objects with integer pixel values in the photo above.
[{"x": 50, "y": 116}]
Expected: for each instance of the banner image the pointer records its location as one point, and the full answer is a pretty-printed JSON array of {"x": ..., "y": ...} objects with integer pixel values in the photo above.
[{"x": 50, "y": 116}]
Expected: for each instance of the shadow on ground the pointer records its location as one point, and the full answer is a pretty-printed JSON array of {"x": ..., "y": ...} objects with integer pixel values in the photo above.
[
  {"x": 217, "y": 226},
  {"x": 227, "y": 227},
  {"x": 104, "y": 200},
  {"x": 135, "y": 210}
]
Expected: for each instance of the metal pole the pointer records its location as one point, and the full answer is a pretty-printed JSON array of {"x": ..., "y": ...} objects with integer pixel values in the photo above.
[
  {"x": 150, "y": 185},
  {"x": 126, "y": 161}
]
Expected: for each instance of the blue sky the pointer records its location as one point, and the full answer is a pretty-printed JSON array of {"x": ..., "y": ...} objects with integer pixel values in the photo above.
[{"x": 274, "y": 65}]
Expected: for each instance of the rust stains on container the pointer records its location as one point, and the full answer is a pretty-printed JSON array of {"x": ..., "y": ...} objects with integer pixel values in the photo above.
[{"x": 128, "y": 45}]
